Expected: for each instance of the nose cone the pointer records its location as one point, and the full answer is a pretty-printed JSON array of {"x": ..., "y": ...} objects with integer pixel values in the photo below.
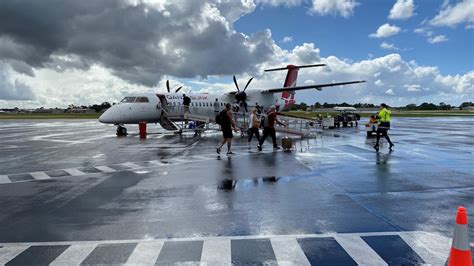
[{"x": 108, "y": 117}]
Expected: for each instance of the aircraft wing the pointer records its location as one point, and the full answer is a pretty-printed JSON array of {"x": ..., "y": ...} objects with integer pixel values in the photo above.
[{"x": 315, "y": 86}]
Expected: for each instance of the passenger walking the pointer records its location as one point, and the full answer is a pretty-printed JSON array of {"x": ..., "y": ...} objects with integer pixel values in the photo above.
[
  {"x": 269, "y": 128},
  {"x": 227, "y": 123},
  {"x": 217, "y": 107},
  {"x": 384, "y": 126},
  {"x": 186, "y": 103},
  {"x": 254, "y": 124}
]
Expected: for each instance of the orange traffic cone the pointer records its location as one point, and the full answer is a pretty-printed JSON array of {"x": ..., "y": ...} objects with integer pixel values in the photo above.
[{"x": 460, "y": 251}]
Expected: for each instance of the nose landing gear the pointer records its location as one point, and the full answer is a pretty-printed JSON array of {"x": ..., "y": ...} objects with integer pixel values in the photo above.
[{"x": 121, "y": 131}]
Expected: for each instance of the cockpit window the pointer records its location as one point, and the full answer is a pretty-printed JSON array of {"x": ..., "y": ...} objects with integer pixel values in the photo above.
[
  {"x": 128, "y": 100},
  {"x": 142, "y": 100}
]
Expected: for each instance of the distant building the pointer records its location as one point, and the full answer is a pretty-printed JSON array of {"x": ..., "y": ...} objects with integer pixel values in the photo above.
[
  {"x": 48, "y": 111},
  {"x": 80, "y": 111}
]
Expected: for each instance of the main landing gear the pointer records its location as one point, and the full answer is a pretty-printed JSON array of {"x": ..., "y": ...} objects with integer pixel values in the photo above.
[{"x": 121, "y": 131}]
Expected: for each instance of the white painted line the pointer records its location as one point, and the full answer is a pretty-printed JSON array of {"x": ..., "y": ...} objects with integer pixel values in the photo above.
[
  {"x": 105, "y": 169},
  {"x": 40, "y": 175},
  {"x": 177, "y": 160},
  {"x": 360, "y": 251},
  {"x": 9, "y": 253},
  {"x": 4, "y": 179},
  {"x": 145, "y": 253},
  {"x": 288, "y": 251},
  {"x": 74, "y": 255},
  {"x": 74, "y": 172},
  {"x": 216, "y": 252},
  {"x": 394, "y": 233},
  {"x": 433, "y": 249},
  {"x": 202, "y": 157},
  {"x": 132, "y": 165},
  {"x": 347, "y": 153},
  {"x": 157, "y": 163}
]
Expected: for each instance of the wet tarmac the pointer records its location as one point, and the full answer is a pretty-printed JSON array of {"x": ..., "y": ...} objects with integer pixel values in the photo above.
[{"x": 70, "y": 181}]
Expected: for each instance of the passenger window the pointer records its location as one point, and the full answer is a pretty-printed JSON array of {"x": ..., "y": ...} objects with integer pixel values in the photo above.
[
  {"x": 128, "y": 100},
  {"x": 142, "y": 100}
]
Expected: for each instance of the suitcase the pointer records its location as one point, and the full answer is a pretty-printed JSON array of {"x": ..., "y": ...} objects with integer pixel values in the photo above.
[{"x": 286, "y": 143}]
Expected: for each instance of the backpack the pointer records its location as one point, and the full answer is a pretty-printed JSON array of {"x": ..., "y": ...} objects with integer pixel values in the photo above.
[
  {"x": 219, "y": 119},
  {"x": 264, "y": 120},
  {"x": 222, "y": 118}
]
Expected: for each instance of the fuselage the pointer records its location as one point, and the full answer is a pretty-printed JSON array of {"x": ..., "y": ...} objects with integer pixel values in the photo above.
[{"x": 149, "y": 107}]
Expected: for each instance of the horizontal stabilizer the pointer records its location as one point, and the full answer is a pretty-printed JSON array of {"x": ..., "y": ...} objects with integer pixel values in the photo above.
[
  {"x": 293, "y": 66},
  {"x": 315, "y": 86}
]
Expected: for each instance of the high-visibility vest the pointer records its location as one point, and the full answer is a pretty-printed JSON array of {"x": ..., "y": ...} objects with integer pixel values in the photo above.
[{"x": 384, "y": 115}]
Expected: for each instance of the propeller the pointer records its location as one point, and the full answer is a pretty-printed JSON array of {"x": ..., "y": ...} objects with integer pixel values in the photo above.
[
  {"x": 168, "y": 87},
  {"x": 241, "y": 96}
]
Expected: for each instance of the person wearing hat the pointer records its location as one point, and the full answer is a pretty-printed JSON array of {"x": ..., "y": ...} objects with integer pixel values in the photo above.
[{"x": 384, "y": 126}]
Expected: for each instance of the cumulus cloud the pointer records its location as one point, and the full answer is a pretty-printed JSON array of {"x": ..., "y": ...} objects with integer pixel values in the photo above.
[
  {"x": 345, "y": 8},
  {"x": 287, "y": 39},
  {"x": 391, "y": 46},
  {"x": 438, "y": 39},
  {"x": 430, "y": 35},
  {"x": 390, "y": 79},
  {"x": 13, "y": 89},
  {"x": 452, "y": 15},
  {"x": 288, "y": 3},
  {"x": 103, "y": 50},
  {"x": 139, "y": 41},
  {"x": 403, "y": 9},
  {"x": 304, "y": 54},
  {"x": 386, "y": 30},
  {"x": 388, "y": 46}
]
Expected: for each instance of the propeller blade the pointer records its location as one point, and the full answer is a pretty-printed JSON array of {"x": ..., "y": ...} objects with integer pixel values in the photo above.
[
  {"x": 178, "y": 89},
  {"x": 250, "y": 80},
  {"x": 168, "y": 85},
  {"x": 236, "y": 85}
]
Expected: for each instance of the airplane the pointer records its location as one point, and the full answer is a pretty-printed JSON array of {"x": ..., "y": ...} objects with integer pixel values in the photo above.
[{"x": 167, "y": 108}]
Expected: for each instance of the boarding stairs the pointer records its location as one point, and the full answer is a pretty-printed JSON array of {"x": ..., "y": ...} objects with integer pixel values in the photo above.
[
  {"x": 173, "y": 118},
  {"x": 296, "y": 126},
  {"x": 165, "y": 121}
]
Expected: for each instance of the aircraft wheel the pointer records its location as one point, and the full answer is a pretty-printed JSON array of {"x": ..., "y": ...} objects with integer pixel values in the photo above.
[{"x": 121, "y": 131}]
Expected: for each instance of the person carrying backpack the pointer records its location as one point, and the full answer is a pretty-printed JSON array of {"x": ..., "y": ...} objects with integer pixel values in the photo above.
[
  {"x": 227, "y": 123},
  {"x": 269, "y": 128},
  {"x": 186, "y": 103},
  {"x": 254, "y": 124}
]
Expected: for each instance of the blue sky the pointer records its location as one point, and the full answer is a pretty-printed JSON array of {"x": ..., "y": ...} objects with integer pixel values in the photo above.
[
  {"x": 349, "y": 37},
  {"x": 86, "y": 52}
]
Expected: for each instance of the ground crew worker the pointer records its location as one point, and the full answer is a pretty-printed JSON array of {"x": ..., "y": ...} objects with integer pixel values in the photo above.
[
  {"x": 384, "y": 126},
  {"x": 227, "y": 123},
  {"x": 270, "y": 129}
]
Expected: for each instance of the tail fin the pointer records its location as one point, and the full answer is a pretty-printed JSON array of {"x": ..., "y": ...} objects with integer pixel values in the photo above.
[
  {"x": 290, "y": 81},
  {"x": 292, "y": 74}
]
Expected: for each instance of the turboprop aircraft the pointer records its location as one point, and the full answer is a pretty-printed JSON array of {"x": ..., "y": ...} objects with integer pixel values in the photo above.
[{"x": 167, "y": 108}]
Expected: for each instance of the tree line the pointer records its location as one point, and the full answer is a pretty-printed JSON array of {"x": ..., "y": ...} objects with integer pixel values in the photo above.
[{"x": 424, "y": 106}]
